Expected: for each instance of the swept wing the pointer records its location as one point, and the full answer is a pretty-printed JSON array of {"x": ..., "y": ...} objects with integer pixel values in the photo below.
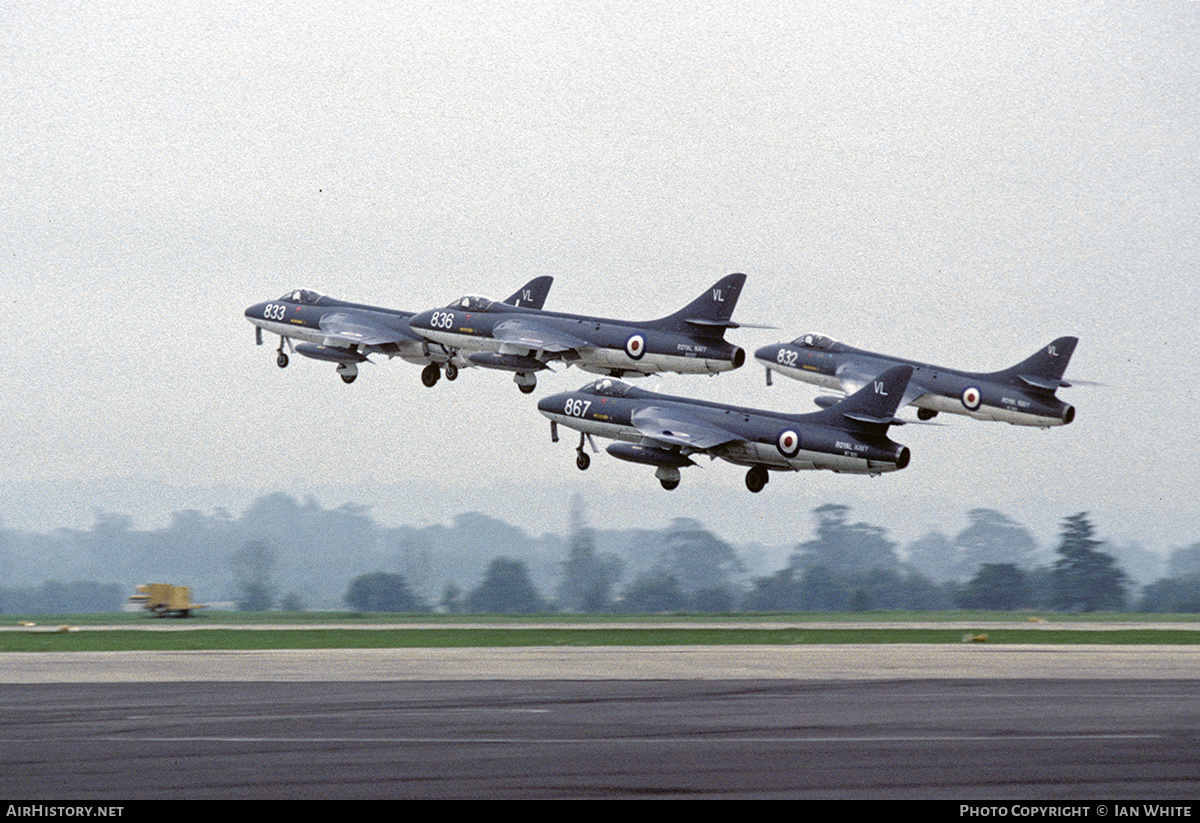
[{"x": 672, "y": 427}]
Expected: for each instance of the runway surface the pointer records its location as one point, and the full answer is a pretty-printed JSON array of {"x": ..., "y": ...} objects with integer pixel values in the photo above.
[
  {"x": 863, "y": 721},
  {"x": 966, "y": 739}
]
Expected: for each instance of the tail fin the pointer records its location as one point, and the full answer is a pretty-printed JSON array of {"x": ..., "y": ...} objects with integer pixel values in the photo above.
[
  {"x": 533, "y": 294},
  {"x": 871, "y": 408},
  {"x": 708, "y": 315},
  {"x": 1044, "y": 370}
]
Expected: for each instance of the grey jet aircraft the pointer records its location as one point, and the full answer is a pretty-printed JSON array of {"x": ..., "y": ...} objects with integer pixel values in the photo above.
[
  {"x": 665, "y": 431},
  {"x": 523, "y": 339},
  {"x": 348, "y": 333},
  {"x": 1022, "y": 395}
]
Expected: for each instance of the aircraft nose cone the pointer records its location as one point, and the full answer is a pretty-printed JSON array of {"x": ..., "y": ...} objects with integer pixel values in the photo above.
[
  {"x": 552, "y": 404},
  {"x": 420, "y": 320},
  {"x": 767, "y": 353},
  {"x": 255, "y": 311}
]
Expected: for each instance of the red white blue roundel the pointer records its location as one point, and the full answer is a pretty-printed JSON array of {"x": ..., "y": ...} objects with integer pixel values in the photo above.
[
  {"x": 788, "y": 443},
  {"x": 971, "y": 398},
  {"x": 635, "y": 346}
]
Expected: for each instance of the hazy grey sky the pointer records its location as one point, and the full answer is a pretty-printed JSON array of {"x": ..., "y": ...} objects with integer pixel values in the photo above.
[{"x": 955, "y": 182}]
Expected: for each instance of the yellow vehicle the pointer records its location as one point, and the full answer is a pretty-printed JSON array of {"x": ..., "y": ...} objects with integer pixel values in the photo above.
[{"x": 165, "y": 600}]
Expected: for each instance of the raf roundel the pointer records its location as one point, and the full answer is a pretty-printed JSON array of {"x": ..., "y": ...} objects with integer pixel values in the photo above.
[
  {"x": 971, "y": 398},
  {"x": 635, "y": 346},
  {"x": 788, "y": 443}
]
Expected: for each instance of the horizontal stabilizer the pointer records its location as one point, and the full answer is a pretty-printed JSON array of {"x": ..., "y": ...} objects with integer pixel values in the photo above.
[{"x": 1047, "y": 383}]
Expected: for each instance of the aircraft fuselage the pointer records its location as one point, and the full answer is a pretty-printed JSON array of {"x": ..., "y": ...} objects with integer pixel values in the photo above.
[
  {"x": 603, "y": 346},
  {"x": 774, "y": 440},
  {"x": 983, "y": 395}
]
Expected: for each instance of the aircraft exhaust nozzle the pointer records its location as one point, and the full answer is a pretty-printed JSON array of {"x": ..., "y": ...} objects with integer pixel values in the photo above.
[
  {"x": 1068, "y": 414},
  {"x": 739, "y": 357},
  {"x": 330, "y": 353},
  {"x": 903, "y": 455}
]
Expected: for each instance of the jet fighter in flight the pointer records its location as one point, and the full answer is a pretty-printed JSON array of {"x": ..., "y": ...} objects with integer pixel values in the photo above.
[
  {"x": 347, "y": 333},
  {"x": 664, "y": 431},
  {"x": 523, "y": 339},
  {"x": 1022, "y": 395}
]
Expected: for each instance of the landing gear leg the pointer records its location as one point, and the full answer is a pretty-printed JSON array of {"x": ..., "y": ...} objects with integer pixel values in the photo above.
[
  {"x": 281, "y": 358},
  {"x": 581, "y": 458}
]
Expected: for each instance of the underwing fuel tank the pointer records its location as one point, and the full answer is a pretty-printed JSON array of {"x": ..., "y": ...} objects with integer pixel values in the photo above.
[
  {"x": 648, "y": 455},
  {"x": 507, "y": 362},
  {"x": 330, "y": 353}
]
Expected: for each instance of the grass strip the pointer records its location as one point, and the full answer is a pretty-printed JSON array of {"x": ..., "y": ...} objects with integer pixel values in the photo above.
[{"x": 257, "y": 639}]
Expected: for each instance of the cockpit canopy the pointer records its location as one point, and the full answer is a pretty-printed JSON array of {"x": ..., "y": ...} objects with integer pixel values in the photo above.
[
  {"x": 470, "y": 303},
  {"x": 815, "y": 341},
  {"x": 608, "y": 387},
  {"x": 305, "y": 297}
]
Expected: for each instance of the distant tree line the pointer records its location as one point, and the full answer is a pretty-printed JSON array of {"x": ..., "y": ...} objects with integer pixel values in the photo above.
[
  {"x": 285, "y": 554},
  {"x": 847, "y": 566}
]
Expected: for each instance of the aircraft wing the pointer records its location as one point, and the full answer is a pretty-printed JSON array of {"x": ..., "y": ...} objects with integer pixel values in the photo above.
[
  {"x": 344, "y": 329},
  {"x": 532, "y": 333},
  {"x": 675, "y": 428}
]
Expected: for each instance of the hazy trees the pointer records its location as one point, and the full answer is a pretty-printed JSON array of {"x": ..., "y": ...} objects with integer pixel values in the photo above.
[
  {"x": 992, "y": 538},
  {"x": 933, "y": 554},
  {"x": 998, "y": 586},
  {"x": 1179, "y": 591},
  {"x": 252, "y": 567},
  {"x": 506, "y": 589},
  {"x": 588, "y": 578},
  {"x": 705, "y": 568},
  {"x": 654, "y": 592},
  {"x": 382, "y": 592},
  {"x": 1184, "y": 562},
  {"x": 1085, "y": 578},
  {"x": 845, "y": 547}
]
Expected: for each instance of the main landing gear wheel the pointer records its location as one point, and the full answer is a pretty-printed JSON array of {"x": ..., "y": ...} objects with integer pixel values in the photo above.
[
  {"x": 582, "y": 460},
  {"x": 281, "y": 360},
  {"x": 430, "y": 375},
  {"x": 756, "y": 478},
  {"x": 525, "y": 382},
  {"x": 451, "y": 372},
  {"x": 668, "y": 476},
  {"x": 348, "y": 378}
]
